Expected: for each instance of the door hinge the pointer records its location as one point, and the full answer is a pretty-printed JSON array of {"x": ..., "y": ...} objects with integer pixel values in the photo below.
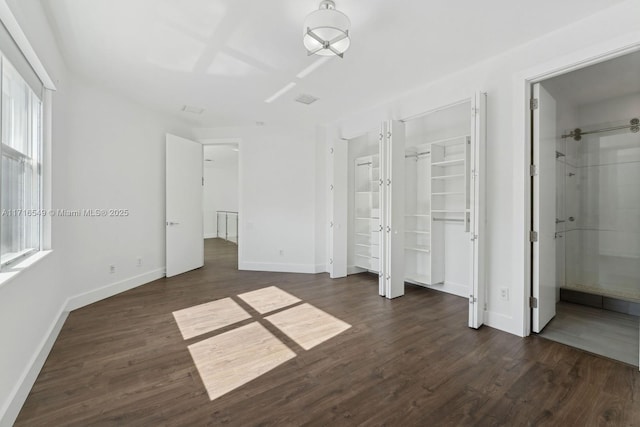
[
  {"x": 533, "y": 302},
  {"x": 533, "y": 170},
  {"x": 472, "y": 299},
  {"x": 533, "y": 236},
  {"x": 533, "y": 104},
  {"x": 203, "y": 181}
]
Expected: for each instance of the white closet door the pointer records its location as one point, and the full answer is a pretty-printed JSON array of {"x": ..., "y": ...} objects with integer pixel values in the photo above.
[
  {"x": 393, "y": 142},
  {"x": 338, "y": 169},
  {"x": 544, "y": 208},
  {"x": 477, "y": 219},
  {"x": 383, "y": 223}
]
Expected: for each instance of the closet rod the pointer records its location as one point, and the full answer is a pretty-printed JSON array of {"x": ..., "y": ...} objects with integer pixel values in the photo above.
[
  {"x": 449, "y": 219},
  {"x": 365, "y": 164},
  {"x": 576, "y": 134},
  {"x": 424, "y": 153}
]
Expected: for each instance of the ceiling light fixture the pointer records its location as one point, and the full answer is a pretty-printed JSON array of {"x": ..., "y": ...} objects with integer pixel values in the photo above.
[{"x": 326, "y": 31}]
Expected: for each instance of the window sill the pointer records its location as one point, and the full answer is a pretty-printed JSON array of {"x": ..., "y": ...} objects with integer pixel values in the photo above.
[{"x": 10, "y": 272}]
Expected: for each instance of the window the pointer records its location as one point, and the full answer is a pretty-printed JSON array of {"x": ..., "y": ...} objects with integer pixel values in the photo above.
[{"x": 20, "y": 169}]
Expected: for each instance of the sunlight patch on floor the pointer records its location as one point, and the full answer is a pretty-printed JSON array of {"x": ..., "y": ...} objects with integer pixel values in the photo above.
[
  {"x": 268, "y": 299},
  {"x": 232, "y": 359},
  {"x": 208, "y": 317},
  {"x": 307, "y": 325}
]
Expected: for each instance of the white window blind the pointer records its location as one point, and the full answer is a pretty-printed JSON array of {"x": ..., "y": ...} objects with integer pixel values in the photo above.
[{"x": 20, "y": 152}]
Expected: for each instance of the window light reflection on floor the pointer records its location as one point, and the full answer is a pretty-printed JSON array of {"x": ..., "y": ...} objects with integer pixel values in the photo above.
[
  {"x": 208, "y": 317},
  {"x": 233, "y": 358}
]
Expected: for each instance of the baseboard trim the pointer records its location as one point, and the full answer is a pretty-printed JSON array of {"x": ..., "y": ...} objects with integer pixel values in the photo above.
[
  {"x": 280, "y": 268},
  {"x": 452, "y": 288},
  {"x": 502, "y": 322},
  {"x": 210, "y": 235},
  {"x": 352, "y": 269},
  {"x": 321, "y": 268},
  {"x": 84, "y": 299},
  {"x": 14, "y": 403}
]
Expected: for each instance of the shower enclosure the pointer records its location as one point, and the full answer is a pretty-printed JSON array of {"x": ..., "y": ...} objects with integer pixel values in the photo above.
[{"x": 598, "y": 212}]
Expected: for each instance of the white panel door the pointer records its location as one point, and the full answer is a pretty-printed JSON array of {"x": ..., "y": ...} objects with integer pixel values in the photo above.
[
  {"x": 383, "y": 248},
  {"x": 544, "y": 208},
  {"x": 338, "y": 171},
  {"x": 393, "y": 209},
  {"x": 184, "y": 175},
  {"x": 477, "y": 218}
]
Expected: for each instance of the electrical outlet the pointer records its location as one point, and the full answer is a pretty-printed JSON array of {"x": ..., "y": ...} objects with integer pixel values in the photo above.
[
  {"x": 504, "y": 294},
  {"x": 139, "y": 262},
  {"x": 112, "y": 269}
]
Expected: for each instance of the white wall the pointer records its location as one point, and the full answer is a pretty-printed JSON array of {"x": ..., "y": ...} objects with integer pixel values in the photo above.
[
  {"x": 221, "y": 185},
  {"x": 502, "y": 77},
  {"x": 114, "y": 158},
  {"x": 107, "y": 153},
  {"x": 279, "y": 216}
]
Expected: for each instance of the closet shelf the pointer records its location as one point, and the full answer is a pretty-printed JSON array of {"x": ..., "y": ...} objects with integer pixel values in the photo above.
[
  {"x": 417, "y": 231},
  {"x": 449, "y": 162},
  {"x": 418, "y": 215},
  {"x": 366, "y": 245},
  {"x": 448, "y": 211},
  {"x": 461, "y": 139},
  {"x": 448, "y": 176},
  {"x": 449, "y": 193},
  {"x": 418, "y": 249}
]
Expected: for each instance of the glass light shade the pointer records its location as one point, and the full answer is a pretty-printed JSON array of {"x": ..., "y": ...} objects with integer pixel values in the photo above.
[{"x": 327, "y": 24}]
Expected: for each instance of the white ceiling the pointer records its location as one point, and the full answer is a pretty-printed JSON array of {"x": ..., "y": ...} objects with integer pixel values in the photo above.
[{"x": 228, "y": 56}]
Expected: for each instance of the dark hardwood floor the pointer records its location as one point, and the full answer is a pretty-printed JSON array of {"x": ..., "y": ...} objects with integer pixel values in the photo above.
[{"x": 410, "y": 361}]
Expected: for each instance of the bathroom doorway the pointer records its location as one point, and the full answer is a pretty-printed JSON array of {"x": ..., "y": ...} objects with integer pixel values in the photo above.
[{"x": 586, "y": 208}]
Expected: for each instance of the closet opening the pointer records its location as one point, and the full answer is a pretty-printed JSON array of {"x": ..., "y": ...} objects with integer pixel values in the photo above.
[
  {"x": 416, "y": 204},
  {"x": 586, "y": 208}
]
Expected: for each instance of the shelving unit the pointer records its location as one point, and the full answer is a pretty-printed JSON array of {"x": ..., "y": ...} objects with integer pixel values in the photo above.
[
  {"x": 367, "y": 213},
  {"x": 437, "y": 190},
  {"x": 418, "y": 217}
]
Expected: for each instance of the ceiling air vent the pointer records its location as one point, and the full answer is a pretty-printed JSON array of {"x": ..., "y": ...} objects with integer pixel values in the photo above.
[
  {"x": 193, "y": 110},
  {"x": 306, "y": 99}
]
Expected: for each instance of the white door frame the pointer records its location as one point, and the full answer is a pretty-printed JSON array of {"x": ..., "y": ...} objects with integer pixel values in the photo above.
[
  {"x": 522, "y": 152},
  {"x": 238, "y": 143}
]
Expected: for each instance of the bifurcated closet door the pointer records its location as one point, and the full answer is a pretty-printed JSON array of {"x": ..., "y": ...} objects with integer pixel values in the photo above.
[
  {"x": 476, "y": 204},
  {"x": 392, "y": 244}
]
